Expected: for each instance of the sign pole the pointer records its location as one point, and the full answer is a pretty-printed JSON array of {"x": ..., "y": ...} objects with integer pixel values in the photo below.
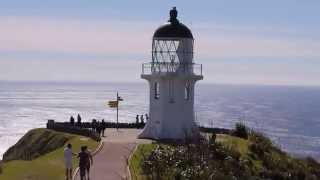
[
  {"x": 117, "y": 111},
  {"x": 115, "y": 104}
]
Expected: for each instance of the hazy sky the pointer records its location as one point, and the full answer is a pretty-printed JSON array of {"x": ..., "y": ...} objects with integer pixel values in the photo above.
[{"x": 247, "y": 41}]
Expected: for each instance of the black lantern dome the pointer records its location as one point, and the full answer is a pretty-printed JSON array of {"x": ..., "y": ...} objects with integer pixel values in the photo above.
[{"x": 174, "y": 29}]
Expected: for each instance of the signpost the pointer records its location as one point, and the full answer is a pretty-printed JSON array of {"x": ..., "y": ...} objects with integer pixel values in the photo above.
[{"x": 115, "y": 104}]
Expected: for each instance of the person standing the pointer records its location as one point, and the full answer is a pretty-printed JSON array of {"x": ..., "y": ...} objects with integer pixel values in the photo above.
[
  {"x": 103, "y": 126},
  {"x": 68, "y": 161},
  {"x": 147, "y": 117},
  {"x": 94, "y": 125},
  {"x": 79, "y": 119},
  {"x": 72, "y": 120},
  {"x": 99, "y": 128},
  {"x": 141, "y": 119},
  {"x": 137, "y": 119},
  {"x": 83, "y": 162}
]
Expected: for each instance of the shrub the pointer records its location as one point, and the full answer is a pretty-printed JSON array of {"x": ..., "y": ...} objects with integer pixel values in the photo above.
[
  {"x": 211, "y": 159},
  {"x": 259, "y": 144},
  {"x": 212, "y": 138},
  {"x": 203, "y": 160},
  {"x": 312, "y": 162},
  {"x": 241, "y": 131}
]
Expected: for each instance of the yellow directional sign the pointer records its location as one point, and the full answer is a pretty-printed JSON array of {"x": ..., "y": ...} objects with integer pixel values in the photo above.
[{"x": 113, "y": 104}]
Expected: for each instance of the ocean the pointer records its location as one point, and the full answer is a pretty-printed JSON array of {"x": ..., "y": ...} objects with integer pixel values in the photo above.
[{"x": 289, "y": 115}]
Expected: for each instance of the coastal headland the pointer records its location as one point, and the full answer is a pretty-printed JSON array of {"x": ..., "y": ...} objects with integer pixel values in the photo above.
[
  {"x": 39, "y": 155},
  {"x": 221, "y": 153}
]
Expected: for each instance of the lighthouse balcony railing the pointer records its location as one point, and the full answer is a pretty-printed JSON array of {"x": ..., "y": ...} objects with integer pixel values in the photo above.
[{"x": 172, "y": 68}]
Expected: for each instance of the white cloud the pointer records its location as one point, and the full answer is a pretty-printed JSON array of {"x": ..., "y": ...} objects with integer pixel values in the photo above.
[
  {"x": 58, "y": 35},
  {"x": 100, "y": 40},
  {"x": 228, "y": 41},
  {"x": 90, "y": 70},
  {"x": 108, "y": 36}
]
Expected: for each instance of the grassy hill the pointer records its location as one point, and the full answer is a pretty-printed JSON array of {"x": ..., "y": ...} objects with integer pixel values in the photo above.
[
  {"x": 35, "y": 143},
  {"x": 221, "y": 157},
  {"x": 39, "y": 155}
]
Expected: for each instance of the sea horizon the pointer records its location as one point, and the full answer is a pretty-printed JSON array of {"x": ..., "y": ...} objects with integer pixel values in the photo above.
[
  {"x": 287, "y": 114},
  {"x": 145, "y": 82}
]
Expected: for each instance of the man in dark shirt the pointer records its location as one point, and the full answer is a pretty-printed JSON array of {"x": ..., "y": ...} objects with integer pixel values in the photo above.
[
  {"x": 83, "y": 162},
  {"x": 90, "y": 162}
]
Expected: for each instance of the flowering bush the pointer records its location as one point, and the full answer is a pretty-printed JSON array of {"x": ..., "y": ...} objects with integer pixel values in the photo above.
[
  {"x": 203, "y": 160},
  {"x": 211, "y": 159}
]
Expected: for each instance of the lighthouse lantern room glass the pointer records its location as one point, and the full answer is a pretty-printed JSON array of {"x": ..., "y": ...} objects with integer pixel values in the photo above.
[{"x": 171, "y": 50}]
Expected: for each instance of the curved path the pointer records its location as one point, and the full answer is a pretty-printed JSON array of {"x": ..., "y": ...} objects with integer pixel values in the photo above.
[{"x": 110, "y": 163}]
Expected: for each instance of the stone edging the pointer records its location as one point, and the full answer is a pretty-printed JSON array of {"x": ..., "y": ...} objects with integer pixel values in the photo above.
[
  {"x": 98, "y": 149},
  {"x": 128, "y": 166}
]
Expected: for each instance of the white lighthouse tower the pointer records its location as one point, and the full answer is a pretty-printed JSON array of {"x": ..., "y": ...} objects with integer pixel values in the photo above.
[{"x": 172, "y": 75}]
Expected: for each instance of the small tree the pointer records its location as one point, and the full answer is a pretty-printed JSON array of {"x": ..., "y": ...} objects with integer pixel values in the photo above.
[{"x": 241, "y": 131}]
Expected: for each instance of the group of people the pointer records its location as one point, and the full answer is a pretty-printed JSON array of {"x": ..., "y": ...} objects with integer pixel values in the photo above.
[
  {"x": 141, "y": 118},
  {"x": 85, "y": 161},
  {"x": 99, "y": 127},
  {"x": 85, "y": 157},
  {"x": 72, "y": 120}
]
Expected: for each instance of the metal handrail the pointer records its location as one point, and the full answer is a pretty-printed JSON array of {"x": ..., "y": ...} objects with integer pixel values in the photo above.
[{"x": 172, "y": 68}]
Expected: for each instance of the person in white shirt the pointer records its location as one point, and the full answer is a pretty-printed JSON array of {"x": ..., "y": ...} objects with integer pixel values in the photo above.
[{"x": 68, "y": 161}]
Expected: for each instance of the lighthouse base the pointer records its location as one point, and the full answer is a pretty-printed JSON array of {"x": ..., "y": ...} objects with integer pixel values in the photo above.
[
  {"x": 171, "y": 112},
  {"x": 180, "y": 133}
]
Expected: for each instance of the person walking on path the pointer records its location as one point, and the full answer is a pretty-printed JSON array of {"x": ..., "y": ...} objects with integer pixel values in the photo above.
[
  {"x": 83, "y": 162},
  {"x": 68, "y": 161},
  {"x": 137, "y": 119},
  {"x": 90, "y": 162}
]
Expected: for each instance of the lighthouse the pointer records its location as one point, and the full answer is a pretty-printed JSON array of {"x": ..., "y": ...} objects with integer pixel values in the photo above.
[{"x": 171, "y": 75}]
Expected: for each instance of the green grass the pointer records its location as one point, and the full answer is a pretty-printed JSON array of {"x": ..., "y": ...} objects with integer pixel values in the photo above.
[
  {"x": 136, "y": 159},
  {"x": 49, "y": 166},
  {"x": 236, "y": 143},
  {"x": 35, "y": 143}
]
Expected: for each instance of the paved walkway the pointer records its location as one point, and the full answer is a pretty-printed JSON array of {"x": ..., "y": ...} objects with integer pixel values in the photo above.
[{"x": 111, "y": 162}]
